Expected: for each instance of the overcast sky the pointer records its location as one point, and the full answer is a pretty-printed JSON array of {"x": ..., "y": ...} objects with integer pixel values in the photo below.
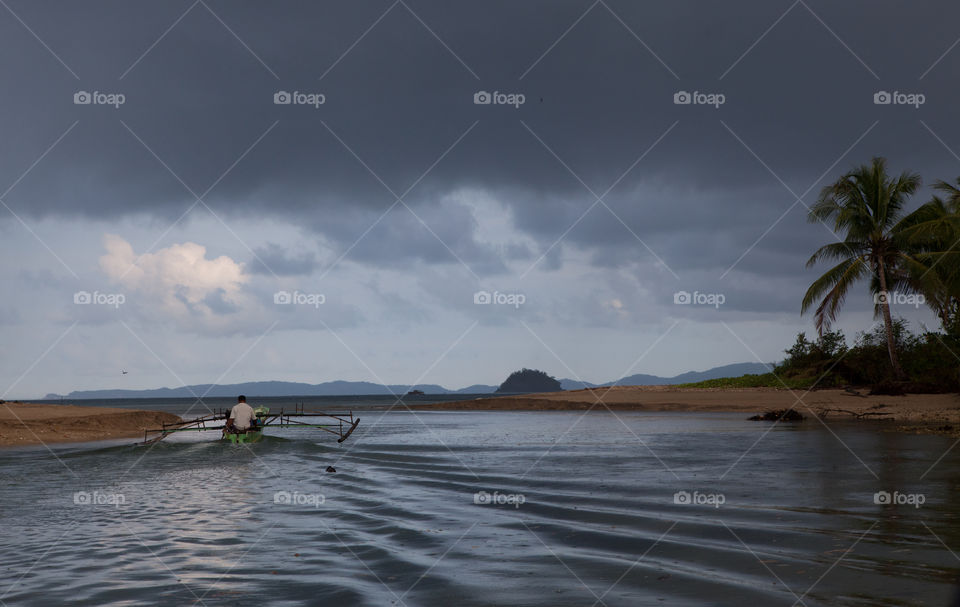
[{"x": 149, "y": 160}]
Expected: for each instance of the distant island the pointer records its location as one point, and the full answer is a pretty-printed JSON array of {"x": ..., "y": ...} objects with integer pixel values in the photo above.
[
  {"x": 529, "y": 381},
  {"x": 362, "y": 388}
]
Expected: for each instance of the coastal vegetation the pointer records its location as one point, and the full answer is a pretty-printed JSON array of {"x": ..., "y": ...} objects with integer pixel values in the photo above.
[
  {"x": 866, "y": 206},
  {"x": 902, "y": 257},
  {"x": 751, "y": 380},
  {"x": 929, "y": 363}
]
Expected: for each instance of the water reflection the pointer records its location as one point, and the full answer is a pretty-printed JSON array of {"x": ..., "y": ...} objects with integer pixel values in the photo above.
[{"x": 399, "y": 521}]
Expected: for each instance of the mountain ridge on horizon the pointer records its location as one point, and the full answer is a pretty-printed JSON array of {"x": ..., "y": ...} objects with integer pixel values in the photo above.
[{"x": 364, "y": 388}]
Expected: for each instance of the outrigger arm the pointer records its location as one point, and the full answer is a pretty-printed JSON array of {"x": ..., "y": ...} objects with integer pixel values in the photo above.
[{"x": 340, "y": 424}]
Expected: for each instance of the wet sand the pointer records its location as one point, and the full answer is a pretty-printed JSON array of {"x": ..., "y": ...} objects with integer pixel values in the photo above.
[
  {"x": 912, "y": 408},
  {"x": 32, "y": 424}
]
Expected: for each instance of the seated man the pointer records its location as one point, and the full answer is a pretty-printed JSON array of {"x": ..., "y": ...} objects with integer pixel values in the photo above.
[{"x": 241, "y": 416}]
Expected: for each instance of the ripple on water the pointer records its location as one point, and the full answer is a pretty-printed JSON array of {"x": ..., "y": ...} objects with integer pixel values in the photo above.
[{"x": 397, "y": 524}]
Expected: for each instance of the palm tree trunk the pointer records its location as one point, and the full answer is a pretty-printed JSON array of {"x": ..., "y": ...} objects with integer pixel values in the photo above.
[{"x": 888, "y": 322}]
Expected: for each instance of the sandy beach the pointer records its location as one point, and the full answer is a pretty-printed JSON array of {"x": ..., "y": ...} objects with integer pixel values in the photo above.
[
  {"x": 912, "y": 408},
  {"x": 30, "y": 424}
]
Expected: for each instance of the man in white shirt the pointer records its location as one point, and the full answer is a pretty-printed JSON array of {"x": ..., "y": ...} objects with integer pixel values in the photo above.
[{"x": 241, "y": 416}]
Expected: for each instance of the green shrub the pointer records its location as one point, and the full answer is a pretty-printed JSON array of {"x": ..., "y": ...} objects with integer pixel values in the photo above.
[
  {"x": 931, "y": 361},
  {"x": 767, "y": 380}
]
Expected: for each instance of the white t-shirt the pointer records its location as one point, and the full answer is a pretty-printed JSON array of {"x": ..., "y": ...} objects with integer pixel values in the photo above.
[{"x": 242, "y": 414}]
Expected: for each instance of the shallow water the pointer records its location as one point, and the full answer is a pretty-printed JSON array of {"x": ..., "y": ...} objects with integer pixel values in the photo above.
[{"x": 398, "y": 522}]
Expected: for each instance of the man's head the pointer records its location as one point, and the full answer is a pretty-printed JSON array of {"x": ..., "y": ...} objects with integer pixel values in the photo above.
[{"x": 241, "y": 399}]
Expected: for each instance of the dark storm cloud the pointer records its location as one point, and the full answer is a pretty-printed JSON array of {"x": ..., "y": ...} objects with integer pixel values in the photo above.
[
  {"x": 202, "y": 99},
  {"x": 275, "y": 259}
]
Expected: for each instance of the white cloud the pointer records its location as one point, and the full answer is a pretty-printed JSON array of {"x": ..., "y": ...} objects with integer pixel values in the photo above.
[{"x": 179, "y": 280}]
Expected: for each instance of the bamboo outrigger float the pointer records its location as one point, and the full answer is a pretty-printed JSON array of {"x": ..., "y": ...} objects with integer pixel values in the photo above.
[{"x": 340, "y": 424}]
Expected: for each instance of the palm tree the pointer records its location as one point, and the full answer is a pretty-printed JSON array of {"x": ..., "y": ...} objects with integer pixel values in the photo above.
[
  {"x": 934, "y": 231},
  {"x": 867, "y": 205}
]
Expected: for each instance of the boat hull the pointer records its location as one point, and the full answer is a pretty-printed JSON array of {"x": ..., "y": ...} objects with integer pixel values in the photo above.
[{"x": 253, "y": 436}]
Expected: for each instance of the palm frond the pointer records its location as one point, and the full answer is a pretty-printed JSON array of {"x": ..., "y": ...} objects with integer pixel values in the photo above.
[
  {"x": 837, "y": 250},
  {"x": 952, "y": 192},
  {"x": 833, "y": 287}
]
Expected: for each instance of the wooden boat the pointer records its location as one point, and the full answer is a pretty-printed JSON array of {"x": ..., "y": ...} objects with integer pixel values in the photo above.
[
  {"x": 340, "y": 424},
  {"x": 237, "y": 438}
]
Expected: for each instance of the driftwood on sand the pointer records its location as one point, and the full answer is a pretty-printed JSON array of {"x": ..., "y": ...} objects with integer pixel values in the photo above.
[
  {"x": 871, "y": 412},
  {"x": 778, "y": 415}
]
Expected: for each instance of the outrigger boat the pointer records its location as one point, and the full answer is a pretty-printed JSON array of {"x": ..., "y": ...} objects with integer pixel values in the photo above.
[{"x": 340, "y": 424}]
